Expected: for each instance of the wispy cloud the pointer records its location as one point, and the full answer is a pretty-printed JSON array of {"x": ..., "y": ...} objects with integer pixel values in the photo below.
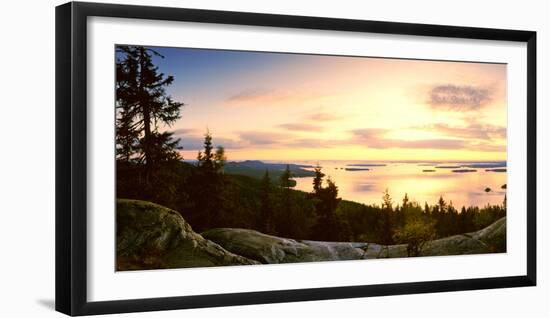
[
  {"x": 471, "y": 131},
  {"x": 266, "y": 96},
  {"x": 301, "y": 127},
  {"x": 250, "y": 95},
  {"x": 321, "y": 116},
  {"x": 376, "y": 138},
  {"x": 459, "y": 97},
  {"x": 315, "y": 143},
  {"x": 259, "y": 138}
]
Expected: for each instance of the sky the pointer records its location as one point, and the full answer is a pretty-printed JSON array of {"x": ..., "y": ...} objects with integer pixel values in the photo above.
[{"x": 279, "y": 106}]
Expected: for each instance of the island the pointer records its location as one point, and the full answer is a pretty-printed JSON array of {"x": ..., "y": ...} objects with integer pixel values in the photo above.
[
  {"x": 463, "y": 170},
  {"x": 496, "y": 170}
]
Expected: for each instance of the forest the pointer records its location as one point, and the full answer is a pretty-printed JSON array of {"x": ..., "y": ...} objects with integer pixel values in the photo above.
[{"x": 149, "y": 167}]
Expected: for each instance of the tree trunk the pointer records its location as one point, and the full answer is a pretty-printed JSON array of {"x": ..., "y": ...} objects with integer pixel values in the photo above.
[{"x": 146, "y": 119}]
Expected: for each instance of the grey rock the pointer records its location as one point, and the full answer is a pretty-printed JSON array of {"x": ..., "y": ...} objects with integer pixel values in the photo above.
[
  {"x": 272, "y": 249},
  {"x": 491, "y": 239},
  {"x": 150, "y": 236}
]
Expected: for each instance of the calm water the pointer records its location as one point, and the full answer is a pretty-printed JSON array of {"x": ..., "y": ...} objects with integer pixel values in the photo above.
[{"x": 463, "y": 189}]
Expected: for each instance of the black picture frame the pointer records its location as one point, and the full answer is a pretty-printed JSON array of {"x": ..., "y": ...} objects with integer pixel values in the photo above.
[{"x": 71, "y": 157}]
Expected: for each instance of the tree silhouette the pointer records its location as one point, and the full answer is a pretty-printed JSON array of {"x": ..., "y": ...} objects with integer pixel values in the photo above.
[
  {"x": 405, "y": 201},
  {"x": 205, "y": 158},
  {"x": 219, "y": 159},
  {"x": 326, "y": 202},
  {"x": 209, "y": 185},
  {"x": 265, "y": 220},
  {"x": 286, "y": 178},
  {"x": 143, "y": 105},
  {"x": 286, "y": 182},
  {"x": 441, "y": 204},
  {"x": 386, "y": 227},
  {"x": 317, "y": 179}
]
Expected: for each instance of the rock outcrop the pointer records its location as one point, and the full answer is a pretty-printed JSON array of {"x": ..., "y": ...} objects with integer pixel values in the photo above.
[
  {"x": 271, "y": 249},
  {"x": 491, "y": 239},
  {"x": 152, "y": 236}
]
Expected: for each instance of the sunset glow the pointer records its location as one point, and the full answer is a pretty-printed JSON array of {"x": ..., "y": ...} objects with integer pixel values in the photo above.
[{"x": 276, "y": 106}]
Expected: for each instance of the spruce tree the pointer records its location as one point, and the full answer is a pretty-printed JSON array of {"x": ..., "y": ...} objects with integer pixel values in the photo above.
[
  {"x": 143, "y": 106},
  {"x": 317, "y": 179},
  {"x": 205, "y": 158},
  {"x": 265, "y": 221},
  {"x": 284, "y": 225},
  {"x": 386, "y": 220},
  {"x": 405, "y": 202},
  {"x": 326, "y": 202},
  {"x": 209, "y": 186},
  {"x": 219, "y": 159},
  {"x": 286, "y": 178}
]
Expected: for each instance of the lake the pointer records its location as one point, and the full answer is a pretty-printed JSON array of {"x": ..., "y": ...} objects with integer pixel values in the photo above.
[{"x": 464, "y": 187}]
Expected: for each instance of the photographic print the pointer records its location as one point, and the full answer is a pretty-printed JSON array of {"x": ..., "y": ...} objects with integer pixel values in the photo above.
[{"x": 227, "y": 157}]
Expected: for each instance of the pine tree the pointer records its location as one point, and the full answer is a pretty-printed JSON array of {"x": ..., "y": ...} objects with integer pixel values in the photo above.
[
  {"x": 442, "y": 204},
  {"x": 331, "y": 199},
  {"x": 325, "y": 201},
  {"x": 127, "y": 136},
  {"x": 286, "y": 178},
  {"x": 209, "y": 185},
  {"x": 386, "y": 220},
  {"x": 219, "y": 159},
  {"x": 405, "y": 201},
  {"x": 387, "y": 202},
  {"x": 143, "y": 106},
  {"x": 426, "y": 209},
  {"x": 284, "y": 227},
  {"x": 205, "y": 159},
  {"x": 317, "y": 179},
  {"x": 265, "y": 222}
]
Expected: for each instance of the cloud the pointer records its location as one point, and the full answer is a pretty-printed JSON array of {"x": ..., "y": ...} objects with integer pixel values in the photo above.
[
  {"x": 185, "y": 131},
  {"x": 315, "y": 143},
  {"x": 262, "y": 96},
  {"x": 249, "y": 95},
  {"x": 472, "y": 131},
  {"x": 375, "y": 138},
  {"x": 323, "y": 117},
  {"x": 258, "y": 138},
  {"x": 458, "y": 97},
  {"x": 472, "y": 137},
  {"x": 301, "y": 127}
]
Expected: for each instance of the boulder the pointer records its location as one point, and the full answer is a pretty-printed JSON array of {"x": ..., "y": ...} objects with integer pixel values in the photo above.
[
  {"x": 272, "y": 249},
  {"x": 491, "y": 239},
  {"x": 150, "y": 236}
]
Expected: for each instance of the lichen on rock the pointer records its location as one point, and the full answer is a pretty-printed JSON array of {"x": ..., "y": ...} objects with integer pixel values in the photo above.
[{"x": 150, "y": 236}]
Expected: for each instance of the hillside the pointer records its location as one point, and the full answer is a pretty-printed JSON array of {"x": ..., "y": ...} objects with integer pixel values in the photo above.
[{"x": 256, "y": 169}]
